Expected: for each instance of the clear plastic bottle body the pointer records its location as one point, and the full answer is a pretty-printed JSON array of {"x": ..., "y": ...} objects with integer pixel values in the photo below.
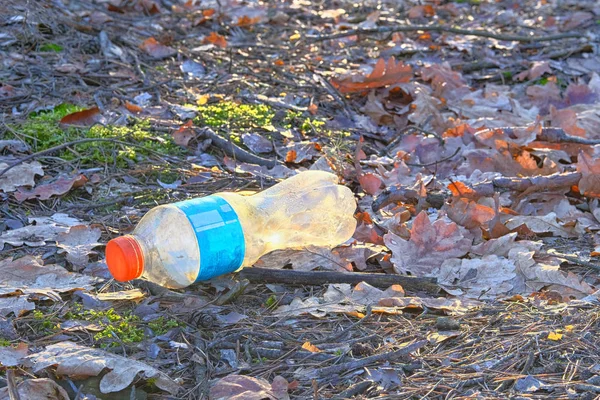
[{"x": 307, "y": 209}]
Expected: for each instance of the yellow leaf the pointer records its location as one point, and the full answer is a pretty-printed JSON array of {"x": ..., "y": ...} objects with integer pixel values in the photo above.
[
  {"x": 202, "y": 100},
  {"x": 569, "y": 328},
  {"x": 555, "y": 336},
  {"x": 295, "y": 37},
  {"x": 355, "y": 314},
  {"x": 310, "y": 347}
]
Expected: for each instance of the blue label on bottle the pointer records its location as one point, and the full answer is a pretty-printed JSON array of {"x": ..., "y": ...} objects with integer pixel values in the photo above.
[{"x": 219, "y": 233}]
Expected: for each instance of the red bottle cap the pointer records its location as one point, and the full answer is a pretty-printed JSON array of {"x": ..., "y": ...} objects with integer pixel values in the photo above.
[{"x": 124, "y": 258}]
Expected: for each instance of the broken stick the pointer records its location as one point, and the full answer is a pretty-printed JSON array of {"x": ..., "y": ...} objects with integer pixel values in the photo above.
[{"x": 291, "y": 277}]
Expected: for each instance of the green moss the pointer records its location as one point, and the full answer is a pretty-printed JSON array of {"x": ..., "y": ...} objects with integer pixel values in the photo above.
[
  {"x": 235, "y": 116},
  {"x": 51, "y": 47},
  {"x": 161, "y": 325},
  {"x": 271, "y": 301},
  {"x": 4, "y": 342},
  {"x": 507, "y": 75},
  {"x": 42, "y": 131},
  {"x": 295, "y": 119},
  {"x": 124, "y": 327}
]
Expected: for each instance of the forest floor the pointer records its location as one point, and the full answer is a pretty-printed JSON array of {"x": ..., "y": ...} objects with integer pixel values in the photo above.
[{"x": 469, "y": 132}]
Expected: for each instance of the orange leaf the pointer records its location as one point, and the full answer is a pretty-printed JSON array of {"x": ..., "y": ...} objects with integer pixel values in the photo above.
[
  {"x": 313, "y": 108},
  {"x": 87, "y": 117},
  {"x": 133, "y": 108},
  {"x": 247, "y": 21},
  {"x": 279, "y": 63},
  {"x": 459, "y": 189},
  {"x": 290, "y": 156},
  {"x": 311, "y": 347},
  {"x": 216, "y": 39},
  {"x": 208, "y": 13},
  {"x": 370, "y": 183},
  {"x": 157, "y": 50},
  {"x": 383, "y": 75}
]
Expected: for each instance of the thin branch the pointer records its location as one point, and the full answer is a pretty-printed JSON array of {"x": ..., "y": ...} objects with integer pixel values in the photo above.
[
  {"x": 435, "y": 162},
  {"x": 449, "y": 29}
]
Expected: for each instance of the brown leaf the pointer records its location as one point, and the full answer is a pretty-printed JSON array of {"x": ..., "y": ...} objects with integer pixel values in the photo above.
[
  {"x": 298, "y": 152},
  {"x": 370, "y": 183},
  {"x": 257, "y": 143},
  {"x": 421, "y": 11},
  {"x": 429, "y": 246},
  {"x": 537, "y": 69},
  {"x": 184, "y": 134},
  {"x": 88, "y": 117},
  {"x": 566, "y": 119},
  {"x": 468, "y": 213},
  {"x": 157, "y": 50},
  {"x": 79, "y": 361},
  {"x": 589, "y": 167},
  {"x": 37, "y": 389},
  {"x": 445, "y": 82},
  {"x": 290, "y": 156},
  {"x": 383, "y": 75},
  {"x": 56, "y": 188},
  {"x": 78, "y": 243},
  {"x": 216, "y": 39},
  {"x": 241, "y": 387},
  {"x": 133, "y": 108},
  {"x": 21, "y": 175},
  {"x": 16, "y": 305}
]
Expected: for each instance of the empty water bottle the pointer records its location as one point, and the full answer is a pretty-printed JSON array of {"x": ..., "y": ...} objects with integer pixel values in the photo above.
[{"x": 178, "y": 244}]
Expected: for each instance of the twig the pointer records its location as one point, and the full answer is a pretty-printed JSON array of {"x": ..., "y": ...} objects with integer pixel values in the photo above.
[
  {"x": 338, "y": 335},
  {"x": 572, "y": 260},
  {"x": 234, "y": 151},
  {"x": 435, "y": 162},
  {"x": 363, "y": 362},
  {"x": 267, "y": 275},
  {"x": 449, "y": 29},
  {"x": 353, "y": 390},
  {"x": 13, "y": 392},
  {"x": 80, "y": 141}
]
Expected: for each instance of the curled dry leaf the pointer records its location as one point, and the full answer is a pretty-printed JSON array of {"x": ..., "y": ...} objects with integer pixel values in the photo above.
[
  {"x": 156, "y": 49},
  {"x": 242, "y": 387},
  {"x": 71, "y": 359},
  {"x": 384, "y": 74},
  {"x": 78, "y": 243},
  {"x": 216, "y": 39},
  {"x": 429, "y": 246},
  {"x": 541, "y": 225},
  {"x": 88, "y": 117},
  {"x": 42, "y": 230},
  {"x": 37, "y": 389},
  {"x": 58, "y": 187},
  {"x": 21, "y": 175},
  {"x": 16, "y": 305},
  {"x": 469, "y": 214}
]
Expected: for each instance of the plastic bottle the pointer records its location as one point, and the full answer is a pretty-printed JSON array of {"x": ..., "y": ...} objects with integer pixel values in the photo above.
[{"x": 178, "y": 244}]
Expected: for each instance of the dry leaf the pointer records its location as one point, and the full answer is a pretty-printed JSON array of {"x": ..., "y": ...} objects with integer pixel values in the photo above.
[
  {"x": 156, "y": 49},
  {"x": 58, "y": 187},
  {"x": 541, "y": 224},
  {"x": 484, "y": 278},
  {"x": 133, "y": 108},
  {"x": 589, "y": 168},
  {"x": 311, "y": 347},
  {"x": 384, "y": 74},
  {"x": 257, "y": 143},
  {"x": 184, "y": 134},
  {"x": 298, "y": 152},
  {"x": 305, "y": 260},
  {"x": 11, "y": 356},
  {"x": 17, "y": 305},
  {"x": 468, "y": 213},
  {"x": 89, "y": 117},
  {"x": 555, "y": 336},
  {"x": 21, "y": 175},
  {"x": 370, "y": 183},
  {"x": 78, "y": 243},
  {"x": 43, "y": 229},
  {"x": 37, "y": 389},
  {"x": 216, "y": 39},
  {"x": 242, "y": 387},
  {"x": 429, "y": 246},
  {"x": 79, "y": 361},
  {"x": 30, "y": 276}
]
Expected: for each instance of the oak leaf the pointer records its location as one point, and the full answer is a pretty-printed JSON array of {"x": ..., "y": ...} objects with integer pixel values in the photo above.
[{"x": 384, "y": 74}]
